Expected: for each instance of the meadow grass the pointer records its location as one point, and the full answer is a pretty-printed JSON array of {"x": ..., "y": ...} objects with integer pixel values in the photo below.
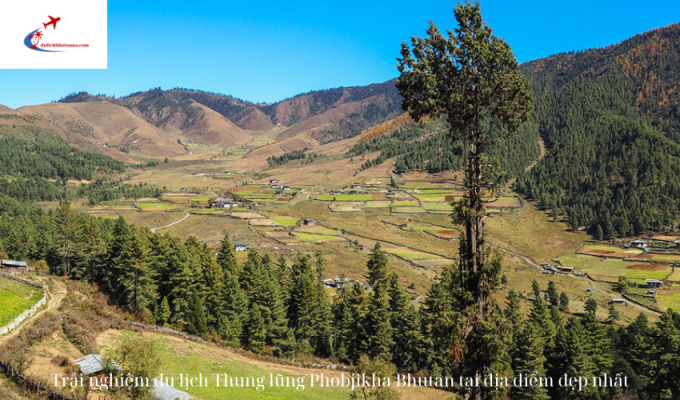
[
  {"x": 405, "y": 204},
  {"x": 145, "y": 206},
  {"x": 314, "y": 238},
  {"x": 378, "y": 204},
  {"x": 285, "y": 220},
  {"x": 409, "y": 254},
  {"x": 318, "y": 230},
  {"x": 343, "y": 197},
  {"x": 438, "y": 206}
]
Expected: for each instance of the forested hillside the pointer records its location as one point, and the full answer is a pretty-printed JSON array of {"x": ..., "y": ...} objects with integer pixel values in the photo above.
[
  {"x": 425, "y": 147},
  {"x": 610, "y": 120},
  {"x": 39, "y": 168}
]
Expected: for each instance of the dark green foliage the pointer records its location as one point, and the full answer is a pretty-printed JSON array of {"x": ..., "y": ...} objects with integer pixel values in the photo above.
[
  {"x": 553, "y": 296},
  {"x": 283, "y": 159},
  {"x": 564, "y": 301},
  {"x": 195, "y": 318},
  {"x": 611, "y": 130}
]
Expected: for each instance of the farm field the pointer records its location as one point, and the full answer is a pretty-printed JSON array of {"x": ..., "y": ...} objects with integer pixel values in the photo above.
[
  {"x": 420, "y": 185},
  {"x": 437, "y": 206},
  {"x": 377, "y": 204},
  {"x": 408, "y": 254},
  {"x": 651, "y": 257},
  {"x": 668, "y": 299},
  {"x": 16, "y": 298},
  {"x": 407, "y": 210},
  {"x": 156, "y": 206},
  {"x": 612, "y": 267},
  {"x": 319, "y": 230},
  {"x": 608, "y": 251},
  {"x": 209, "y": 211},
  {"x": 316, "y": 238},
  {"x": 343, "y": 197},
  {"x": 285, "y": 220}
]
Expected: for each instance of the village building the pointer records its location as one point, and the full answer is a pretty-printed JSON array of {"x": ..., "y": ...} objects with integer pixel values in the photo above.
[
  {"x": 20, "y": 267},
  {"x": 639, "y": 243},
  {"x": 93, "y": 365},
  {"x": 223, "y": 203},
  {"x": 566, "y": 269},
  {"x": 14, "y": 264},
  {"x": 618, "y": 301},
  {"x": 227, "y": 172},
  {"x": 308, "y": 221},
  {"x": 239, "y": 246},
  {"x": 356, "y": 186},
  {"x": 654, "y": 283}
]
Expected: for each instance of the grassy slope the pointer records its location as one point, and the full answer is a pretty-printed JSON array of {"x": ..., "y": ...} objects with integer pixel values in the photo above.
[{"x": 184, "y": 357}]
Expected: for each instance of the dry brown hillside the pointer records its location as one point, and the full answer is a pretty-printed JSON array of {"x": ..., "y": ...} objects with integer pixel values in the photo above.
[
  {"x": 108, "y": 123},
  {"x": 213, "y": 128}
]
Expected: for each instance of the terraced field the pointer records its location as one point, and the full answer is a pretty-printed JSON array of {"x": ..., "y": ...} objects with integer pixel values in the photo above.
[
  {"x": 614, "y": 267},
  {"x": 16, "y": 298},
  {"x": 608, "y": 251}
]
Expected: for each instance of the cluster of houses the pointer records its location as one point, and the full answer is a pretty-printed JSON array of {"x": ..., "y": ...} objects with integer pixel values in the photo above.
[
  {"x": 339, "y": 283},
  {"x": 224, "y": 203},
  {"x": 553, "y": 269},
  {"x": 643, "y": 244}
]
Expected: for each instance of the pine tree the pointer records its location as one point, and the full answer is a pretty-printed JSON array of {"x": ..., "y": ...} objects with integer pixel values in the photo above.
[
  {"x": 469, "y": 78},
  {"x": 195, "y": 318},
  {"x": 564, "y": 301},
  {"x": 614, "y": 314},
  {"x": 213, "y": 281},
  {"x": 553, "y": 295},
  {"x": 67, "y": 229},
  {"x": 591, "y": 306},
  {"x": 667, "y": 345},
  {"x": 540, "y": 316},
  {"x": 254, "y": 330},
  {"x": 164, "y": 313},
  {"x": 536, "y": 288},
  {"x": 377, "y": 267},
  {"x": 528, "y": 359},
  {"x": 513, "y": 311},
  {"x": 90, "y": 251},
  {"x": 120, "y": 236},
  {"x": 226, "y": 257},
  {"x": 408, "y": 340},
  {"x": 137, "y": 280}
]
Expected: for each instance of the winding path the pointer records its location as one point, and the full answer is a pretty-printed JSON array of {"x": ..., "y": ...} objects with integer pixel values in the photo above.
[{"x": 171, "y": 224}]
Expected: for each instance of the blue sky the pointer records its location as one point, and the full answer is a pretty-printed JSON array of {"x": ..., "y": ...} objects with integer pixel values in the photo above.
[{"x": 271, "y": 50}]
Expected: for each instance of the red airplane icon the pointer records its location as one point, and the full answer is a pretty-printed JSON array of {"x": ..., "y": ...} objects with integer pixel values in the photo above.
[{"x": 53, "y": 21}]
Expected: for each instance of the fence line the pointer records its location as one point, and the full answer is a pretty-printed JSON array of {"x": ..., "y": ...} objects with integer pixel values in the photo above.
[{"x": 33, "y": 387}]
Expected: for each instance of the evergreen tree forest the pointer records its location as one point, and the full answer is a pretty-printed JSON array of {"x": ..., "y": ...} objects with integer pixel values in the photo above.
[
  {"x": 610, "y": 123},
  {"x": 38, "y": 168},
  {"x": 282, "y": 308}
]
